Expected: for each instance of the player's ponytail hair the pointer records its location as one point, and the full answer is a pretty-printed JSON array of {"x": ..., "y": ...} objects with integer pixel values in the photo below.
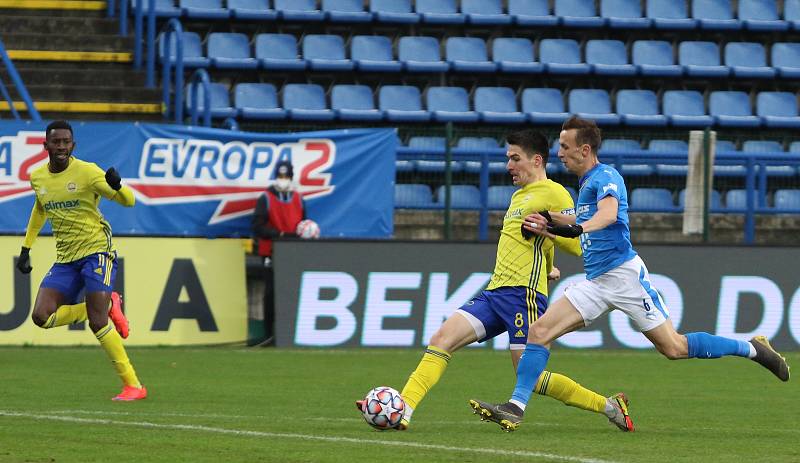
[
  {"x": 587, "y": 132},
  {"x": 57, "y": 125},
  {"x": 531, "y": 141}
]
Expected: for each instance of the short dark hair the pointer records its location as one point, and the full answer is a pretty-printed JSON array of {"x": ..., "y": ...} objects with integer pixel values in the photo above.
[
  {"x": 531, "y": 141},
  {"x": 587, "y": 132},
  {"x": 57, "y": 125}
]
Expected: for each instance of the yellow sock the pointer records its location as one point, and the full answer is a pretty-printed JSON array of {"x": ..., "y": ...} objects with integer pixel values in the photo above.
[
  {"x": 569, "y": 392},
  {"x": 427, "y": 374},
  {"x": 66, "y": 315},
  {"x": 112, "y": 344}
]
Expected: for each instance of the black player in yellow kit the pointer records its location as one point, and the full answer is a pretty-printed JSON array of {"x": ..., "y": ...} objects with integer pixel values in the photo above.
[{"x": 68, "y": 192}]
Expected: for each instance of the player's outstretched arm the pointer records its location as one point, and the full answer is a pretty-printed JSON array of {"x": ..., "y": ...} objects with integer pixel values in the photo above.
[
  {"x": 120, "y": 193},
  {"x": 606, "y": 215},
  {"x": 35, "y": 224}
]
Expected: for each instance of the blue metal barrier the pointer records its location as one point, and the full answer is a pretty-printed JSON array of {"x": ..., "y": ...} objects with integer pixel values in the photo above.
[
  {"x": 21, "y": 89},
  {"x": 173, "y": 27},
  {"x": 200, "y": 77},
  {"x": 150, "y": 40},
  {"x": 231, "y": 124}
]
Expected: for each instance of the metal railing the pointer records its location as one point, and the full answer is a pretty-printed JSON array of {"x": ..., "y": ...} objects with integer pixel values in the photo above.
[
  {"x": 172, "y": 29},
  {"x": 20, "y": 86},
  {"x": 200, "y": 77}
]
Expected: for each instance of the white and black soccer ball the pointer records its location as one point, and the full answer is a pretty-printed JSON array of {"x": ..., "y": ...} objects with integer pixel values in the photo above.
[
  {"x": 307, "y": 229},
  {"x": 384, "y": 408}
]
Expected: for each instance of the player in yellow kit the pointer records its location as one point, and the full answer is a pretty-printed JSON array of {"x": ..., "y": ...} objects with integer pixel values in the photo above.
[
  {"x": 68, "y": 192},
  {"x": 516, "y": 295}
]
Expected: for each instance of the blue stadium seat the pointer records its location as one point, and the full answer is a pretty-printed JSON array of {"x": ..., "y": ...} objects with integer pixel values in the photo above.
[
  {"x": 544, "y": 105},
  {"x": 485, "y": 12},
  {"x": 393, "y": 11},
  {"x": 701, "y": 59},
  {"x": 732, "y": 109},
  {"x": 715, "y": 14},
  {"x": 728, "y": 169},
  {"x": 306, "y": 102},
  {"x": 500, "y": 196},
  {"x": 163, "y": 8},
  {"x": 428, "y": 145},
  {"x": 787, "y": 200},
  {"x": 230, "y": 50},
  {"x": 350, "y": 11},
  {"x": 257, "y": 101},
  {"x": 609, "y": 57},
  {"x": 373, "y": 53},
  {"x": 220, "y": 100},
  {"x": 431, "y": 147},
  {"x": 439, "y": 12},
  {"x": 670, "y": 147},
  {"x": 748, "y": 60},
  {"x": 794, "y": 147},
  {"x": 562, "y": 56},
  {"x": 639, "y": 108},
  {"x": 726, "y": 146},
  {"x": 299, "y": 10},
  {"x": 404, "y": 166},
  {"x": 624, "y": 14},
  {"x": 461, "y": 196},
  {"x": 761, "y": 15},
  {"x": 402, "y": 103},
  {"x": 652, "y": 200},
  {"x": 279, "y": 52},
  {"x": 325, "y": 53},
  {"x": 715, "y": 197},
  {"x": 593, "y": 104},
  {"x": 532, "y": 13},
  {"x": 655, "y": 58},
  {"x": 252, "y": 10},
  {"x": 449, "y": 104},
  {"x": 413, "y": 196},
  {"x": 770, "y": 147},
  {"x": 572, "y": 193},
  {"x": 615, "y": 146},
  {"x": 578, "y": 13},
  {"x": 785, "y": 58},
  {"x": 204, "y": 9},
  {"x": 669, "y": 14},
  {"x": 791, "y": 13},
  {"x": 778, "y": 109},
  {"x": 192, "y": 50},
  {"x": 685, "y": 108},
  {"x": 497, "y": 105},
  {"x": 421, "y": 54},
  {"x": 480, "y": 145},
  {"x": 468, "y": 54},
  {"x": 736, "y": 200},
  {"x": 515, "y": 55},
  {"x": 354, "y": 103}
]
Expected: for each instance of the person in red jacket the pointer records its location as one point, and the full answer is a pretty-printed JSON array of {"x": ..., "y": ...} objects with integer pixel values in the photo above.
[{"x": 278, "y": 211}]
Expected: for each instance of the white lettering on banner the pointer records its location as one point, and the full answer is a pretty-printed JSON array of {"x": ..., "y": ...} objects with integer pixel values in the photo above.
[
  {"x": 794, "y": 316},
  {"x": 727, "y": 314},
  {"x": 311, "y": 307},
  {"x": 629, "y": 336},
  {"x": 376, "y": 308},
  {"x": 584, "y": 337},
  {"x": 439, "y": 307}
]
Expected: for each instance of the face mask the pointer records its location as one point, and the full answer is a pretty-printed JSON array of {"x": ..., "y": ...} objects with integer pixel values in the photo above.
[{"x": 283, "y": 184}]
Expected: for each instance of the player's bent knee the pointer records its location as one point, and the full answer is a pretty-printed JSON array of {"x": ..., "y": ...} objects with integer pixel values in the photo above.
[
  {"x": 671, "y": 351},
  {"x": 38, "y": 320},
  {"x": 538, "y": 334}
]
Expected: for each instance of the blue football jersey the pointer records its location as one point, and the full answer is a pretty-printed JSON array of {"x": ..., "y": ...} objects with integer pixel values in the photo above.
[{"x": 610, "y": 247}]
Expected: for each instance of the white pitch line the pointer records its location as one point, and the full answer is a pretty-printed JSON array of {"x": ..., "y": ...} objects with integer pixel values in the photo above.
[{"x": 349, "y": 440}]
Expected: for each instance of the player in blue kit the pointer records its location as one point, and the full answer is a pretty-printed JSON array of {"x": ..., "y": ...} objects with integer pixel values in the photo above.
[{"x": 616, "y": 278}]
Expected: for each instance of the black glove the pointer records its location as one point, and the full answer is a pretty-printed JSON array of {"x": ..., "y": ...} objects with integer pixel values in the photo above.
[
  {"x": 24, "y": 260},
  {"x": 546, "y": 215},
  {"x": 567, "y": 231},
  {"x": 113, "y": 179},
  {"x": 527, "y": 234}
]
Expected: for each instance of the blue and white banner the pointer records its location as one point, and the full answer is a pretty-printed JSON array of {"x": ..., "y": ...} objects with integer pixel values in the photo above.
[{"x": 199, "y": 181}]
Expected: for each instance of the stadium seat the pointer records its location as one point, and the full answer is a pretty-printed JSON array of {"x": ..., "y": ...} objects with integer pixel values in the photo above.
[
  {"x": 654, "y": 58},
  {"x": 220, "y": 100},
  {"x": 532, "y": 13},
  {"x": 354, "y": 103},
  {"x": 715, "y": 14},
  {"x": 413, "y": 196},
  {"x": 609, "y": 57},
  {"x": 639, "y": 108},
  {"x": 497, "y": 105},
  {"x": 402, "y": 103},
  {"x": 544, "y": 105},
  {"x": 299, "y": 10},
  {"x": 515, "y": 55},
  {"x": 449, "y": 104},
  {"x": 349, "y": 11},
  {"x": 578, "y": 13},
  {"x": 192, "y": 50},
  {"x": 421, "y": 54},
  {"x": 624, "y": 14},
  {"x": 748, "y": 60},
  {"x": 715, "y": 197},
  {"x": 593, "y": 104},
  {"x": 325, "y": 53},
  {"x": 252, "y": 10},
  {"x": 480, "y": 145},
  {"x": 488, "y": 12},
  {"x": 669, "y": 14},
  {"x": 468, "y": 54},
  {"x": 163, "y": 8},
  {"x": 562, "y": 56},
  {"x": 612, "y": 146},
  {"x": 773, "y": 169},
  {"x": 685, "y": 108},
  {"x": 404, "y": 166},
  {"x": 726, "y": 146},
  {"x": 728, "y": 169},
  {"x": 791, "y": 13},
  {"x": 393, "y": 11},
  {"x": 230, "y": 50},
  {"x": 778, "y": 109},
  {"x": 439, "y": 12},
  {"x": 652, "y": 200},
  {"x": 787, "y": 200},
  {"x": 671, "y": 147},
  {"x": 794, "y": 147},
  {"x": 203, "y": 9},
  {"x": 373, "y": 53},
  {"x": 433, "y": 149},
  {"x": 500, "y": 196},
  {"x": 736, "y": 200},
  {"x": 461, "y": 197},
  {"x": 278, "y": 52},
  {"x": 257, "y": 101},
  {"x": 732, "y": 109},
  {"x": 785, "y": 58},
  {"x": 701, "y": 59},
  {"x": 306, "y": 102},
  {"x": 761, "y": 15}
]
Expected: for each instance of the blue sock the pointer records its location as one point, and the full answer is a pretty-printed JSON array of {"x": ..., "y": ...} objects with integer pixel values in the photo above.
[
  {"x": 708, "y": 346},
  {"x": 531, "y": 365}
]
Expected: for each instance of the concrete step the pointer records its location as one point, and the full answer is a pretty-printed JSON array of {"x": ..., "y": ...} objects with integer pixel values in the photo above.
[
  {"x": 67, "y": 42},
  {"x": 96, "y": 75},
  {"x": 90, "y": 93},
  {"x": 30, "y": 24}
]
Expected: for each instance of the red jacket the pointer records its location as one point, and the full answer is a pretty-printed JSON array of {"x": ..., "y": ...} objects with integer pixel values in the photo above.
[{"x": 274, "y": 216}]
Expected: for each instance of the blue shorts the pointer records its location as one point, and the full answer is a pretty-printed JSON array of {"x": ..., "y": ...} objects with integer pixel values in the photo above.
[
  {"x": 94, "y": 273},
  {"x": 509, "y": 309}
]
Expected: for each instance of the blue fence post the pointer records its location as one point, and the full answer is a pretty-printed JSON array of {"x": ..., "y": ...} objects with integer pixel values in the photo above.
[
  {"x": 7, "y": 97},
  {"x": 231, "y": 124},
  {"x": 123, "y": 18},
  {"x": 110, "y": 8},
  {"x": 137, "y": 36},
  {"x": 150, "y": 78},
  {"x": 21, "y": 89},
  {"x": 749, "y": 215},
  {"x": 483, "y": 217},
  {"x": 202, "y": 76},
  {"x": 173, "y": 29}
]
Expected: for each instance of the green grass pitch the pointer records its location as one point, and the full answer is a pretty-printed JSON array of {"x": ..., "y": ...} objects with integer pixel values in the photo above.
[{"x": 279, "y": 405}]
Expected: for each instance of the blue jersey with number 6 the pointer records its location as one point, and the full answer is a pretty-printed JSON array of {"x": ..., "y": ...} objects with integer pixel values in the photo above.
[{"x": 610, "y": 247}]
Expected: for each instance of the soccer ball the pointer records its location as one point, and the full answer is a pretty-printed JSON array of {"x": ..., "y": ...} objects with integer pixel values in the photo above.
[
  {"x": 384, "y": 408},
  {"x": 307, "y": 229}
]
